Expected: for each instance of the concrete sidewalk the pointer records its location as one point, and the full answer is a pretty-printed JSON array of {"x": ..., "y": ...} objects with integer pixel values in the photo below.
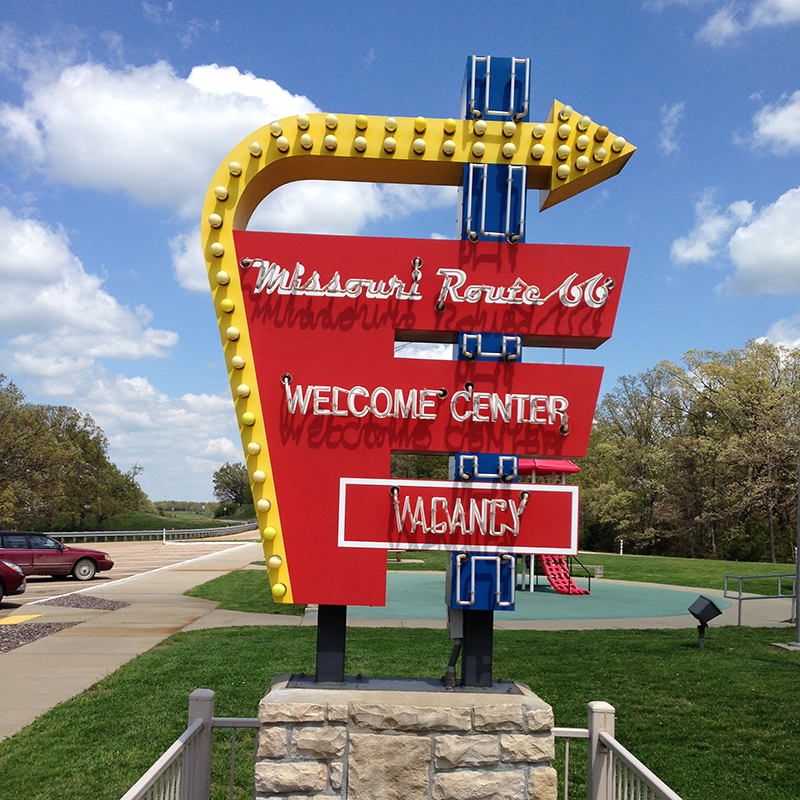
[{"x": 38, "y": 676}]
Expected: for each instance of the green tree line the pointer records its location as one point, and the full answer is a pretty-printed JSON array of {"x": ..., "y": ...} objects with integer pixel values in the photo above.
[
  {"x": 698, "y": 459},
  {"x": 54, "y": 468}
]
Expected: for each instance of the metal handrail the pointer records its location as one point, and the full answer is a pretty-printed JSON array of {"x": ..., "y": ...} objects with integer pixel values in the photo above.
[
  {"x": 630, "y": 762},
  {"x": 147, "y": 786},
  {"x": 779, "y": 575}
]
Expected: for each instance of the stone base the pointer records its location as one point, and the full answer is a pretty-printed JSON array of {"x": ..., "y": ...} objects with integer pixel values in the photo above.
[{"x": 407, "y": 740}]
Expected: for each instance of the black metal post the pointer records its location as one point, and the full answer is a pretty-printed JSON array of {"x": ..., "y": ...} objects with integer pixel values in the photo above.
[
  {"x": 476, "y": 653},
  {"x": 331, "y": 635}
]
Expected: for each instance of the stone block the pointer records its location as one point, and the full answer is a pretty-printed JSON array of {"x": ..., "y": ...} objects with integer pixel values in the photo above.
[
  {"x": 466, "y": 751},
  {"x": 273, "y": 742},
  {"x": 528, "y": 747},
  {"x": 539, "y": 719},
  {"x": 478, "y": 785},
  {"x": 505, "y": 717},
  {"x": 290, "y": 712},
  {"x": 337, "y": 773},
  {"x": 542, "y": 784},
  {"x": 324, "y": 742},
  {"x": 284, "y": 777},
  {"x": 388, "y": 767},
  {"x": 337, "y": 713},
  {"x": 381, "y": 717}
]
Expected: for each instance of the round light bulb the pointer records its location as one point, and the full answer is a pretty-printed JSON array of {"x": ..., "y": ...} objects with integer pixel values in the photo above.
[
  {"x": 419, "y": 146},
  {"x": 360, "y": 144},
  {"x": 243, "y": 390},
  {"x": 581, "y": 163},
  {"x": 255, "y": 149},
  {"x": 235, "y": 168},
  {"x": 537, "y": 151},
  {"x": 584, "y": 123},
  {"x": 390, "y": 124},
  {"x": 227, "y": 305},
  {"x": 480, "y": 127},
  {"x": 330, "y": 142},
  {"x": 220, "y": 192},
  {"x": 253, "y": 448},
  {"x": 389, "y": 144},
  {"x": 306, "y": 141},
  {"x": 539, "y": 130},
  {"x": 582, "y": 142},
  {"x": 563, "y": 172},
  {"x": 509, "y": 149},
  {"x": 601, "y": 134},
  {"x": 449, "y": 126},
  {"x": 232, "y": 333},
  {"x": 275, "y": 562},
  {"x": 279, "y": 590},
  {"x": 269, "y": 533},
  {"x": 478, "y": 149},
  {"x": 215, "y": 220},
  {"x": 248, "y": 418},
  {"x": 509, "y": 129},
  {"x": 448, "y": 147},
  {"x": 563, "y": 152},
  {"x": 565, "y": 113},
  {"x": 217, "y": 250},
  {"x": 223, "y": 278},
  {"x": 303, "y": 122},
  {"x": 362, "y": 122},
  {"x": 259, "y": 476},
  {"x": 275, "y": 128},
  {"x": 263, "y": 504},
  {"x": 618, "y": 144},
  {"x": 420, "y": 124},
  {"x": 564, "y": 131},
  {"x": 600, "y": 154},
  {"x": 283, "y": 144},
  {"x": 237, "y": 362},
  {"x": 331, "y": 122}
]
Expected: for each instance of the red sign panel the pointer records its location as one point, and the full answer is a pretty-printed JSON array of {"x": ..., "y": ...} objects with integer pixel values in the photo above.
[
  {"x": 440, "y": 515},
  {"x": 324, "y": 313}
]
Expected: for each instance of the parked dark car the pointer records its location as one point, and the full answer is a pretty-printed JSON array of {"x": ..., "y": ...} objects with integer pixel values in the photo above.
[
  {"x": 12, "y": 579},
  {"x": 38, "y": 554}
]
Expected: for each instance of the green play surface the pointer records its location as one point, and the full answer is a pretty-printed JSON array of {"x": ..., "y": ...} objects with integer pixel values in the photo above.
[{"x": 420, "y": 595}]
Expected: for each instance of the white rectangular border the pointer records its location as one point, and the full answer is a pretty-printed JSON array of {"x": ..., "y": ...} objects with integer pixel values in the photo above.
[{"x": 344, "y": 483}]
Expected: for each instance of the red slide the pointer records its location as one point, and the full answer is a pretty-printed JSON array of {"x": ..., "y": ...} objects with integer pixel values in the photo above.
[{"x": 557, "y": 572}]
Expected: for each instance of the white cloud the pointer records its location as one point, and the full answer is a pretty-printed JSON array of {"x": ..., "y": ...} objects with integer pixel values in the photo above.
[
  {"x": 785, "y": 332},
  {"x": 426, "y": 350},
  {"x": 55, "y": 316},
  {"x": 711, "y": 228},
  {"x": 144, "y": 130},
  {"x": 766, "y": 251},
  {"x": 778, "y": 124},
  {"x": 178, "y": 441},
  {"x": 670, "y": 117},
  {"x": 187, "y": 261},
  {"x": 727, "y": 24}
]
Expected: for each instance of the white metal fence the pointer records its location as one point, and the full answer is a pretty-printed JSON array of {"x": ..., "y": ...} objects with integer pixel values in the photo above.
[{"x": 184, "y": 771}]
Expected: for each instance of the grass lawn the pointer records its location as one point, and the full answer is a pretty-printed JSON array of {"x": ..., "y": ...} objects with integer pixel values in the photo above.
[
  {"x": 721, "y": 723},
  {"x": 244, "y": 590}
]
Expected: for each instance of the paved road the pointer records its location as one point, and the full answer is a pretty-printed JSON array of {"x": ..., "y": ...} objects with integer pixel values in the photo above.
[{"x": 130, "y": 558}]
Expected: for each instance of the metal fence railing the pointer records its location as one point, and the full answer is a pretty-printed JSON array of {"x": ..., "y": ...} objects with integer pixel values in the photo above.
[
  {"x": 161, "y": 535},
  {"x": 738, "y": 596},
  {"x": 184, "y": 771}
]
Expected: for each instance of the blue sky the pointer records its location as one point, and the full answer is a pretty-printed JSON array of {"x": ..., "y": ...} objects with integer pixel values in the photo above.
[{"x": 114, "y": 116}]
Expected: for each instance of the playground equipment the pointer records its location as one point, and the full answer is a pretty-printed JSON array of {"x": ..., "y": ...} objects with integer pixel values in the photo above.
[{"x": 555, "y": 567}]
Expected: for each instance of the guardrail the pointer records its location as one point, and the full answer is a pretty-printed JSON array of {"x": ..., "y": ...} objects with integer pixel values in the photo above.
[
  {"x": 143, "y": 536},
  {"x": 184, "y": 771},
  {"x": 779, "y": 575}
]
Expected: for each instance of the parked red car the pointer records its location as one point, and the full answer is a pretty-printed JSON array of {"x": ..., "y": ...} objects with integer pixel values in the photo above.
[
  {"x": 38, "y": 554},
  {"x": 12, "y": 579}
]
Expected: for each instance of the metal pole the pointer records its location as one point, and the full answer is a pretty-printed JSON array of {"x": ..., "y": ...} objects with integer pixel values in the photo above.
[
  {"x": 331, "y": 634},
  {"x": 796, "y": 642},
  {"x": 476, "y": 654},
  {"x": 201, "y": 706}
]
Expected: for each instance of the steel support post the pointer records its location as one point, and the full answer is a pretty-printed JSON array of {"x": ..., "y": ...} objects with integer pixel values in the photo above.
[
  {"x": 201, "y": 706},
  {"x": 476, "y": 651},
  {"x": 331, "y": 635}
]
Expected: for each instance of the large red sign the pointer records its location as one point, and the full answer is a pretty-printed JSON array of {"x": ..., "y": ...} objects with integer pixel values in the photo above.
[{"x": 324, "y": 314}]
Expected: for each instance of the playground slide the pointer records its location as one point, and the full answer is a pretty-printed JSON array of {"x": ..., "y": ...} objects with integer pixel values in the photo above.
[{"x": 557, "y": 572}]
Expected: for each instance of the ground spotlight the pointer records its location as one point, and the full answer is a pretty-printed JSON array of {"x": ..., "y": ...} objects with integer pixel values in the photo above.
[{"x": 704, "y": 610}]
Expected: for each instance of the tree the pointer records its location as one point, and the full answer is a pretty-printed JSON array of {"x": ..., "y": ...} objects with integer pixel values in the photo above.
[
  {"x": 700, "y": 459},
  {"x": 232, "y": 484}
]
